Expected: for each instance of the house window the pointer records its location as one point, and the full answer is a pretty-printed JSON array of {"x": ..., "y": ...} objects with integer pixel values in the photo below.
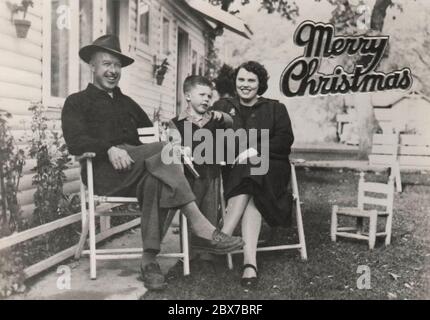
[
  {"x": 166, "y": 36},
  {"x": 112, "y": 17},
  {"x": 143, "y": 22},
  {"x": 60, "y": 42},
  {"x": 69, "y": 26},
  {"x": 194, "y": 63},
  {"x": 201, "y": 66},
  {"x": 85, "y": 38}
]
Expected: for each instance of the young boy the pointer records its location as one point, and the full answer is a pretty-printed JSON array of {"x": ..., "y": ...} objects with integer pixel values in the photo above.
[{"x": 206, "y": 187}]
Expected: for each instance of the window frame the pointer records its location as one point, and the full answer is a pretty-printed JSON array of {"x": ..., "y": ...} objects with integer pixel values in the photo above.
[
  {"x": 74, "y": 60},
  {"x": 165, "y": 15},
  {"x": 141, "y": 47}
]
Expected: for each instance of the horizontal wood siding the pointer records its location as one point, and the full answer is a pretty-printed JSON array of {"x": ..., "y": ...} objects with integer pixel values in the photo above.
[{"x": 20, "y": 61}]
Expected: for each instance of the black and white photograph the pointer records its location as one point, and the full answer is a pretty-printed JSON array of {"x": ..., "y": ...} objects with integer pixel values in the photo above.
[{"x": 214, "y": 150}]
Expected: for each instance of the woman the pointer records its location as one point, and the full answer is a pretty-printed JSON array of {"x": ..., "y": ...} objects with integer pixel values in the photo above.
[{"x": 253, "y": 197}]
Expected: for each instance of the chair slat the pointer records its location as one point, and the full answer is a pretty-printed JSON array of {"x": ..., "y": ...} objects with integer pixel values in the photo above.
[
  {"x": 376, "y": 187},
  {"x": 375, "y": 201}
]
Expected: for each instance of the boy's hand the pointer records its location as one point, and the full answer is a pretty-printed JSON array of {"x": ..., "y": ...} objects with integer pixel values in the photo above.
[
  {"x": 217, "y": 115},
  {"x": 248, "y": 153},
  {"x": 120, "y": 159}
]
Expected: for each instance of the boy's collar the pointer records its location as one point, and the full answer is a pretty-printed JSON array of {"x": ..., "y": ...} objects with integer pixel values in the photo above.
[{"x": 200, "y": 120}]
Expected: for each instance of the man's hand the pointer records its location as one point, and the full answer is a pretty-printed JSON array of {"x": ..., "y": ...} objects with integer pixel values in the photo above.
[
  {"x": 248, "y": 153},
  {"x": 217, "y": 115},
  {"x": 120, "y": 159}
]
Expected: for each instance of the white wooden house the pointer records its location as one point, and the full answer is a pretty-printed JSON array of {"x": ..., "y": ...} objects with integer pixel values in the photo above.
[
  {"x": 405, "y": 112},
  {"x": 45, "y": 65}
]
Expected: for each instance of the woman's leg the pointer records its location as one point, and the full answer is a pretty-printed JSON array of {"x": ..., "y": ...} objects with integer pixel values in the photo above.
[
  {"x": 251, "y": 226},
  {"x": 235, "y": 208}
]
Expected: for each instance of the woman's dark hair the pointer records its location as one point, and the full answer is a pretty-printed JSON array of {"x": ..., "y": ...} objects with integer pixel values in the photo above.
[
  {"x": 259, "y": 70},
  {"x": 224, "y": 82}
]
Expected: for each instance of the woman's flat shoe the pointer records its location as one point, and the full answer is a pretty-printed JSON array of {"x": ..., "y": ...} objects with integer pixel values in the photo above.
[{"x": 251, "y": 282}]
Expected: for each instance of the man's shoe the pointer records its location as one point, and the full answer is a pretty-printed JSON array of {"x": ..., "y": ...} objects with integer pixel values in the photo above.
[
  {"x": 219, "y": 244},
  {"x": 152, "y": 277}
]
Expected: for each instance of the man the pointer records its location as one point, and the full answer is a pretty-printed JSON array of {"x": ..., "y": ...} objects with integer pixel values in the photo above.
[{"x": 103, "y": 120}]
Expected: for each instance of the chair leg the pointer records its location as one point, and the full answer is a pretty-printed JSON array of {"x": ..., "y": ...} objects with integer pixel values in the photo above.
[
  {"x": 303, "y": 253},
  {"x": 185, "y": 245},
  {"x": 333, "y": 228},
  {"x": 299, "y": 219},
  {"x": 92, "y": 222},
  {"x": 84, "y": 220},
  {"x": 388, "y": 226},
  {"x": 372, "y": 229},
  {"x": 82, "y": 239}
]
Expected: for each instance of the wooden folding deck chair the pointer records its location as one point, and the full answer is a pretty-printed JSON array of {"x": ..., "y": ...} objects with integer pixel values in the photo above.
[
  {"x": 301, "y": 246},
  {"x": 360, "y": 213},
  {"x": 146, "y": 135}
]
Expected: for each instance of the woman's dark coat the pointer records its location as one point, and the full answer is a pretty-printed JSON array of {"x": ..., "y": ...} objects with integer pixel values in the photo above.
[{"x": 270, "y": 191}]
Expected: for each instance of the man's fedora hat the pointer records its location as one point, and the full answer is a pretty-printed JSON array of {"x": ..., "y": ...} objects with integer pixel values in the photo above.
[{"x": 108, "y": 43}]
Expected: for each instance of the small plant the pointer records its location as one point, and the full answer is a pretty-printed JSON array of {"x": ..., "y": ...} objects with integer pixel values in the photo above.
[
  {"x": 11, "y": 164},
  {"x": 22, "y": 25},
  {"x": 49, "y": 149},
  {"x": 160, "y": 70},
  {"x": 15, "y": 9}
]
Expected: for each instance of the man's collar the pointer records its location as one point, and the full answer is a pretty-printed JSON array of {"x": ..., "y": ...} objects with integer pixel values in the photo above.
[{"x": 92, "y": 89}]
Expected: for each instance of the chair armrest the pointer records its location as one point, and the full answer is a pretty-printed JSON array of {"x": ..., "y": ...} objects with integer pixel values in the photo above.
[
  {"x": 84, "y": 156},
  {"x": 296, "y": 161}
]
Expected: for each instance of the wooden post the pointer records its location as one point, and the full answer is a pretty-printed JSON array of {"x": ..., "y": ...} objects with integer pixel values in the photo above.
[{"x": 333, "y": 228}]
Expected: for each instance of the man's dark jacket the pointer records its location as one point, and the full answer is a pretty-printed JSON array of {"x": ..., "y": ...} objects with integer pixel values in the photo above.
[{"x": 93, "y": 121}]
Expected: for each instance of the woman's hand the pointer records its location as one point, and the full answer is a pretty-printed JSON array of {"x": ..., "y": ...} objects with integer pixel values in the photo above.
[
  {"x": 248, "y": 153},
  {"x": 120, "y": 159},
  {"x": 217, "y": 115}
]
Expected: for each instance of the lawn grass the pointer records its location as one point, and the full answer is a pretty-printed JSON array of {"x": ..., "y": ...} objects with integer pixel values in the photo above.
[{"x": 399, "y": 271}]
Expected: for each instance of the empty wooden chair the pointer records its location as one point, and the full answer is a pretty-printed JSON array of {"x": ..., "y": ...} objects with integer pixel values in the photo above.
[
  {"x": 146, "y": 135},
  {"x": 366, "y": 210}
]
